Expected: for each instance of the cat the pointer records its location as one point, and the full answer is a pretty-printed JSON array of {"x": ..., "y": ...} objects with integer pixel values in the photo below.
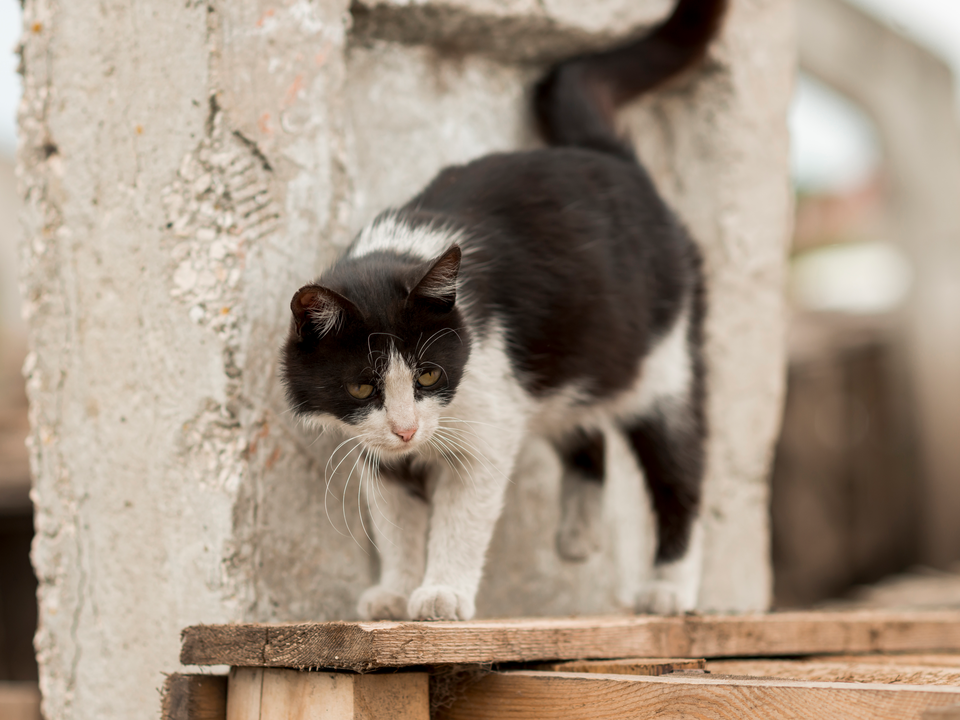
[{"x": 548, "y": 292}]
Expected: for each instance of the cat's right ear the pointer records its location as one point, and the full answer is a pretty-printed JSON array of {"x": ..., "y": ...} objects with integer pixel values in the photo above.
[
  {"x": 439, "y": 284},
  {"x": 318, "y": 309}
]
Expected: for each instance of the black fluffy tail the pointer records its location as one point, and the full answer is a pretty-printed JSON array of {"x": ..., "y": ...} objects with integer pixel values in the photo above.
[{"x": 576, "y": 101}]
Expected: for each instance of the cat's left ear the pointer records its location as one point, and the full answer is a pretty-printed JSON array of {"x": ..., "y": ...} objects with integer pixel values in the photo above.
[
  {"x": 439, "y": 284},
  {"x": 320, "y": 309}
]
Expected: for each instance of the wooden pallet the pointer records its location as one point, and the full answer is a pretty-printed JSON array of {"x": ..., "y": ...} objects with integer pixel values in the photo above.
[{"x": 613, "y": 667}]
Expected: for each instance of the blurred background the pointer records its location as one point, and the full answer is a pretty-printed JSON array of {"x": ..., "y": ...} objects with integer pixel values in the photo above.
[{"x": 866, "y": 479}]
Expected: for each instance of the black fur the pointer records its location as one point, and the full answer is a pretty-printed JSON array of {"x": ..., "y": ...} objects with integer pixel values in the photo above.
[
  {"x": 575, "y": 102},
  {"x": 671, "y": 447},
  {"x": 575, "y": 253},
  {"x": 584, "y": 453}
]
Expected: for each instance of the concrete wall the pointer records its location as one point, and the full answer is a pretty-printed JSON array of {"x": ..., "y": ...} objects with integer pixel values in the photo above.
[{"x": 185, "y": 167}]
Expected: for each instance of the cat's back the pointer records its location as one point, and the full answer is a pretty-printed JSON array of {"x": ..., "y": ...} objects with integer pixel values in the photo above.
[{"x": 571, "y": 254}]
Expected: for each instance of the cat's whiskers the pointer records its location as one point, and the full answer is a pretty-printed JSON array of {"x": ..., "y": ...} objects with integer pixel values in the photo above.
[
  {"x": 374, "y": 486},
  {"x": 370, "y": 338},
  {"x": 436, "y": 336},
  {"x": 328, "y": 477},
  {"x": 343, "y": 504},
  {"x": 438, "y": 366},
  {"x": 462, "y": 434},
  {"x": 452, "y": 436},
  {"x": 461, "y": 420},
  {"x": 416, "y": 348},
  {"x": 323, "y": 431},
  {"x": 377, "y": 485},
  {"x": 447, "y": 454},
  {"x": 294, "y": 409},
  {"x": 364, "y": 468}
]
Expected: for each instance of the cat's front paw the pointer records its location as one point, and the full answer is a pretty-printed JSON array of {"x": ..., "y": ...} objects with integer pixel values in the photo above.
[
  {"x": 440, "y": 602},
  {"x": 382, "y": 603},
  {"x": 663, "y": 597}
]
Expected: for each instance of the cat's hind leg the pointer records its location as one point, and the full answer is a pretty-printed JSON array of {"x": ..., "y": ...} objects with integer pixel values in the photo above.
[
  {"x": 674, "y": 586},
  {"x": 399, "y": 515},
  {"x": 581, "y": 494},
  {"x": 669, "y": 444}
]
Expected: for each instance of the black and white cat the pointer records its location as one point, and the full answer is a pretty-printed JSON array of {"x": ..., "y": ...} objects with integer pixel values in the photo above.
[{"x": 548, "y": 292}]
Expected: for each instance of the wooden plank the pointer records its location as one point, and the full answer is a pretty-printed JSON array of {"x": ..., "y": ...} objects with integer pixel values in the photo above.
[
  {"x": 276, "y": 694},
  {"x": 627, "y": 666},
  {"x": 243, "y": 693},
  {"x": 945, "y": 660},
  {"x": 19, "y": 701},
  {"x": 193, "y": 697},
  {"x": 293, "y": 695},
  {"x": 847, "y": 671},
  {"x": 531, "y": 695},
  {"x": 399, "y": 696},
  {"x": 370, "y": 645},
  {"x": 945, "y": 713}
]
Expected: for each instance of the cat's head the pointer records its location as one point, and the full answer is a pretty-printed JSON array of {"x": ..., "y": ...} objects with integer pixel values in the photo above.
[{"x": 378, "y": 346}]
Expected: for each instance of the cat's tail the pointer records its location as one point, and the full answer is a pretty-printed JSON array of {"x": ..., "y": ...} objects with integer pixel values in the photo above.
[{"x": 575, "y": 102}]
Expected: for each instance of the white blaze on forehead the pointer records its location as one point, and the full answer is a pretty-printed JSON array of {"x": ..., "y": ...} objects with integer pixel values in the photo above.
[{"x": 398, "y": 399}]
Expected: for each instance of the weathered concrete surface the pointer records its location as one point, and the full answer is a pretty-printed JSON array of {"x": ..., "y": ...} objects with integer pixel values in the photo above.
[{"x": 185, "y": 167}]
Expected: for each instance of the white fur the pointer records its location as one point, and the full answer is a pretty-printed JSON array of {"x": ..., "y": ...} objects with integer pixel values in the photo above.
[
  {"x": 480, "y": 436},
  {"x": 399, "y": 404},
  {"x": 665, "y": 376},
  {"x": 441, "y": 283},
  {"x": 400, "y": 527},
  {"x": 675, "y": 586},
  {"x": 667, "y": 371},
  {"x": 388, "y": 232},
  {"x": 326, "y": 315}
]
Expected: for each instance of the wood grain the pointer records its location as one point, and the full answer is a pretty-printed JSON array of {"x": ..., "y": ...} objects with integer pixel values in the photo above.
[
  {"x": 627, "y": 666},
  {"x": 846, "y": 671},
  {"x": 277, "y": 694},
  {"x": 401, "y": 696},
  {"x": 194, "y": 697},
  {"x": 531, "y": 695},
  {"x": 244, "y": 692},
  {"x": 945, "y": 660},
  {"x": 365, "y": 646}
]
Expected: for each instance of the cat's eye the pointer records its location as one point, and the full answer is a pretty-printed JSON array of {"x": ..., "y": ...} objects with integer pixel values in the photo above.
[
  {"x": 429, "y": 378},
  {"x": 360, "y": 391}
]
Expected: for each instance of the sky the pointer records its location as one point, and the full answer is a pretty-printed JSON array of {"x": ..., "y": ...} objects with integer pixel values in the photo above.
[{"x": 833, "y": 145}]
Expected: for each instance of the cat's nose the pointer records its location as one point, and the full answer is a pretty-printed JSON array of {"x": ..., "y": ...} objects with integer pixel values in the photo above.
[{"x": 406, "y": 435}]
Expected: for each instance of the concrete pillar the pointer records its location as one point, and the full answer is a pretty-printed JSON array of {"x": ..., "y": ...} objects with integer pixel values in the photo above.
[{"x": 186, "y": 166}]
